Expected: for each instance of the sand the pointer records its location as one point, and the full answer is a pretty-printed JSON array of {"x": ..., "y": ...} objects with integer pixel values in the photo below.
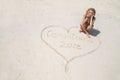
[{"x": 40, "y": 40}]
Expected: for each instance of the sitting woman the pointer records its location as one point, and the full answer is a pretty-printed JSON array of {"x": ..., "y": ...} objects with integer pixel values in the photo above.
[{"x": 87, "y": 23}]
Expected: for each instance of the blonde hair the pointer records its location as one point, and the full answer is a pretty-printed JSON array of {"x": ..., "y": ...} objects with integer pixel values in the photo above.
[{"x": 92, "y": 9}]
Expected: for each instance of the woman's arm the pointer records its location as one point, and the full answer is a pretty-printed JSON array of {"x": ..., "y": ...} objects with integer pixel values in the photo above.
[
  {"x": 82, "y": 25},
  {"x": 92, "y": 21},
  {"x": 83, "y": 20}
]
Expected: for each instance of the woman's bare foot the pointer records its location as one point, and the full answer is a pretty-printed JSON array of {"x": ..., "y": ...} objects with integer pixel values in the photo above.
[
  {"x": 88, "y": 35},
  {"x": 81, "y": 30},
  {"x": 85, "y": 33}
]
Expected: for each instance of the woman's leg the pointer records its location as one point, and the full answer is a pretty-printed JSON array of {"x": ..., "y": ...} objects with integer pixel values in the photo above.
[
  {"x": 89, "y": 28},
  {"x": 84, "y": 29},
  {"x": 81, "y": 30}
]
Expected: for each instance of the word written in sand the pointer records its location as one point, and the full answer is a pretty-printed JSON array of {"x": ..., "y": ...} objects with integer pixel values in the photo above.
[
  {"x": 65, "y": 36},
  {"x": 70, "y": 45},
  {"x": 67, "y": 40}
]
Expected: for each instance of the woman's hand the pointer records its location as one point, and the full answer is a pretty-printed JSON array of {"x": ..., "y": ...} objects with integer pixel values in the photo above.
[
  {"x": 91, "y": 20},
  {"x": 92, "y": 17}
]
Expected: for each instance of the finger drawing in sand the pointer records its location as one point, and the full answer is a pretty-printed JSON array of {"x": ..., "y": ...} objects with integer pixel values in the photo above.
[{"x": 87, "y": 23}]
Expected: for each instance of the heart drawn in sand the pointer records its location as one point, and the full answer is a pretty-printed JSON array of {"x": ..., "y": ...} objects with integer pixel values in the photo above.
[{"x": 69, "y": 43}]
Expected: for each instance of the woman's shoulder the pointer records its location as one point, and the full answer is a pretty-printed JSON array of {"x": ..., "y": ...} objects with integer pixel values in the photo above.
[{"x": 84, "y": 16}]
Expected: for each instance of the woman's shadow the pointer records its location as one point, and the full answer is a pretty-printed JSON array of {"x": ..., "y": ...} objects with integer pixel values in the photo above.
[{"x": 94, "y": 32}]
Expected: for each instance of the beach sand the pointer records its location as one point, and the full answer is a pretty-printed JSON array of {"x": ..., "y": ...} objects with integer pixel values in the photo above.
[{"x": 40, "y": 40}]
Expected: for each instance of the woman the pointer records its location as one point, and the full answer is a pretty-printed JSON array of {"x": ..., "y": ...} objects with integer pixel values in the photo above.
[{"x": 88, "y": 21}]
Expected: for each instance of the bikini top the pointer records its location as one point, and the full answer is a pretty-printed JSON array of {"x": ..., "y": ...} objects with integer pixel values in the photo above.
[{"x": 89, "y": 17}]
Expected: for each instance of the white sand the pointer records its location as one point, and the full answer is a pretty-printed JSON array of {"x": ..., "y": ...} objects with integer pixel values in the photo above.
[{"x": 35, "y": 44}]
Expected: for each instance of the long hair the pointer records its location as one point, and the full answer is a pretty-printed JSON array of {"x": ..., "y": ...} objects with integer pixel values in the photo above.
[{"x": 92, "y": 9}]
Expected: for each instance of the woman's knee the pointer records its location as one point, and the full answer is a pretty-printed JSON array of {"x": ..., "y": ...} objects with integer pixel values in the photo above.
[
  {"x": 83, "y": 27},
  {"x": 89, "y": 28}
]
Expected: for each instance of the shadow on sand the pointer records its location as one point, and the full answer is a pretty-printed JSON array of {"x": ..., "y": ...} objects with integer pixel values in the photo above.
[{"x": 94, "y": 32}]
